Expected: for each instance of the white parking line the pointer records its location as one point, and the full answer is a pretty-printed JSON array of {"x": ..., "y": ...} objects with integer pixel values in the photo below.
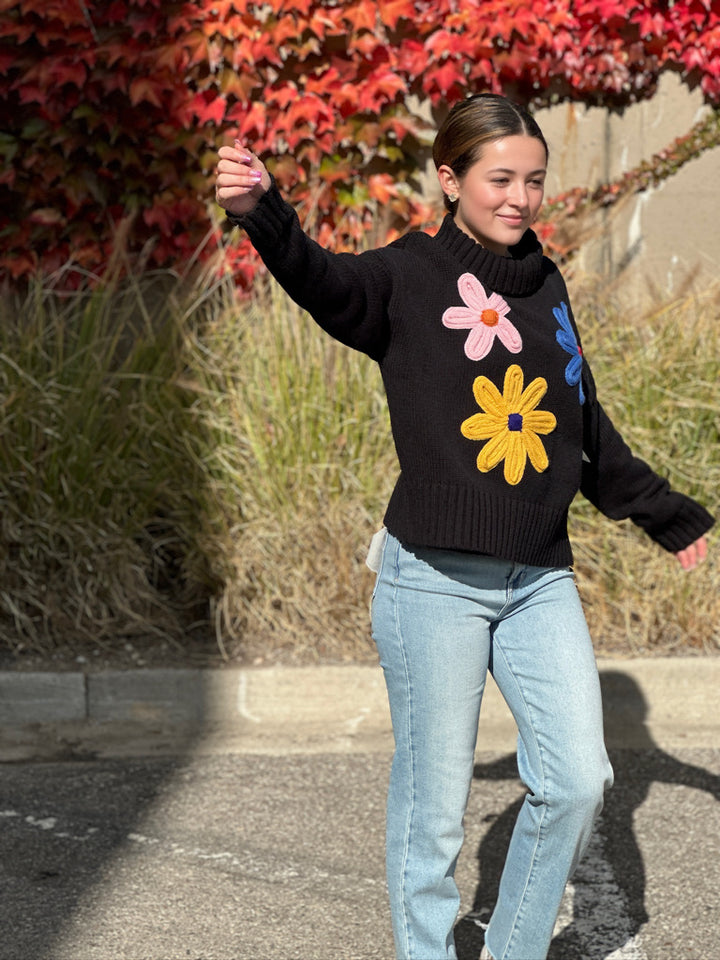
[
  {"x": 261, "y": 864},
  {"x": 242, "y": 700},
  {"x": 593, "y": 905}
]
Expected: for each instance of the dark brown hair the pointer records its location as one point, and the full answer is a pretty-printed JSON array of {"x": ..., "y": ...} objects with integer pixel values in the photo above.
[{"x": 474, "y": 122}]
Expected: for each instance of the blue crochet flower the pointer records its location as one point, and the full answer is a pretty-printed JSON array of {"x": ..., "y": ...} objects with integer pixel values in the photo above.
[{"x": 565, "y": 336}]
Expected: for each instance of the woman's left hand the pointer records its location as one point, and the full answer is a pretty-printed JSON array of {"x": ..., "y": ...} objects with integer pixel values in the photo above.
[{"x": 691, "y": 556}]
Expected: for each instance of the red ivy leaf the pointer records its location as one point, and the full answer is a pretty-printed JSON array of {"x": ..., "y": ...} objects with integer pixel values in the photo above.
[
  {"x": 146, "y": 90},
  {"x": 381, "y": 87},
  {"x": 382, "y": 187},
  {"x": 208, "y": 107},
  {"x": 361, "y": 15},
  {"x": 443, "y": 80},
  {"x": 393, "y": 10}
]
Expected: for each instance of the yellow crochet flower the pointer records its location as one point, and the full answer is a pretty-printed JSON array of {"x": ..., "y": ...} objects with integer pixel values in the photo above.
[{"x": 510, "y": 423}]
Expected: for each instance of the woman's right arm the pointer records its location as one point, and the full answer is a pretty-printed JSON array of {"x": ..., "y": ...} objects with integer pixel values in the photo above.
[{"x": 347, "y": 294}]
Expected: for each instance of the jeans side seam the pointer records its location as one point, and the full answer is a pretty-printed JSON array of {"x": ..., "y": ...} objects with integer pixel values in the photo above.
[
  {"x": 528, "y": 882},
  {"x": 538, "y": 838},
  {"x": 411, "y": 753}
]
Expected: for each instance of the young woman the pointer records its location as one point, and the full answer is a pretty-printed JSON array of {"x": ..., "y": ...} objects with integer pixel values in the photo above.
[{"x": 497, "y": 425}]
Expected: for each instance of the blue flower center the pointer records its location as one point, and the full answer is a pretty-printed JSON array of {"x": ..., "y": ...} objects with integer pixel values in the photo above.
[{"x": 515, "y": 421}]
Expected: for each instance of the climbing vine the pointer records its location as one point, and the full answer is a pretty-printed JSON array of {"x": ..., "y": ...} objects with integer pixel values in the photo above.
[{"x": 111, "y": 111}]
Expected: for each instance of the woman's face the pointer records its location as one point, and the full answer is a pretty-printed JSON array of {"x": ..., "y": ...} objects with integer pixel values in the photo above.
[{"x": 501, "y": 193}]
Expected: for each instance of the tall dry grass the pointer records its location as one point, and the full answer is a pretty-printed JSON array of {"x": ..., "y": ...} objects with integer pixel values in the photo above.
[
  {"x": 109, "y": 528},
  {"x": 659, "y": 378},
  {"x": 174, "y": 464},
  {"x": 310, "y": 455}
]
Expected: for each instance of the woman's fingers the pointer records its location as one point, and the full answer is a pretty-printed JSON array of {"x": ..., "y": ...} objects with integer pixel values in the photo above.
[
  {"x": 691, "y": 556},
  {"x": 241, "y": 178},
  {"x": 237, "y": 176},
  {"x": 245, "y": 155},
  {"x": 237, "y": 163},
  {"x": 234, "y": 155}
]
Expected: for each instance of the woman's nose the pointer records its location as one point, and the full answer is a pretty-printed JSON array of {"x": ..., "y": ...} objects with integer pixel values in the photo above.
[{"x": 518, "y": 194}]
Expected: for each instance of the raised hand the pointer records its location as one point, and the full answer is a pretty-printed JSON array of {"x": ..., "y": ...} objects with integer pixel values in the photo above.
[{"x": 241, "y": 179}]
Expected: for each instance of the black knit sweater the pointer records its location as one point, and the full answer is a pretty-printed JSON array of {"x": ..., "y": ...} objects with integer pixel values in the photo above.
[{"x": 493, "y": 408}]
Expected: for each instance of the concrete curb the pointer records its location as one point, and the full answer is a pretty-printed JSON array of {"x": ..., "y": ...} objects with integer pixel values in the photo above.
[{"x": 664, "y": 702}]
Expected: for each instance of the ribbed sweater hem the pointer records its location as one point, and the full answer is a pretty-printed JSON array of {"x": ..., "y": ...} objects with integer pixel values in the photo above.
[{"x": 462, "y": 517}]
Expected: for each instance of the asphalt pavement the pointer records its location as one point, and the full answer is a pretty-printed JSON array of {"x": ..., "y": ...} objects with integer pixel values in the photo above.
[{"x": 163, "y": 814}]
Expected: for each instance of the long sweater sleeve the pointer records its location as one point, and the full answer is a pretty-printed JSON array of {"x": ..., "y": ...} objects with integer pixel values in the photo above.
[
  {"x": 409, "y": 306},
  {"x": 347, "y": 294},
  {"x": 623, "y": 486}
]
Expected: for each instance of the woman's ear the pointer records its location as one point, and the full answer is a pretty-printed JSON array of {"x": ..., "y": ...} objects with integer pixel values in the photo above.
[{"x": 449, "y": 183}]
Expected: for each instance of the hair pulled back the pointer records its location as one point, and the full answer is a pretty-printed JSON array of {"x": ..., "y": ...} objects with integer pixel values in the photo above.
[{"x": 480, "y": 119}]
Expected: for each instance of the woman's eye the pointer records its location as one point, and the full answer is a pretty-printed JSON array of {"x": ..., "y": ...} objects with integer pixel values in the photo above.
[
  {"x": 538, "y": 183},
  {"x": 500, "y": 181}
]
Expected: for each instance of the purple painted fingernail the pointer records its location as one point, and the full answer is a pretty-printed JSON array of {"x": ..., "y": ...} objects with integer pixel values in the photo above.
[
  {"x": 246, "y": 158},
  {"x": 256, "y": 175}
]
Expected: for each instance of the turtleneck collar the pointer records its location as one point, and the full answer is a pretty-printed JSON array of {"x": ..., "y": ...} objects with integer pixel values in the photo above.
[{"x": 518, "y": 275}]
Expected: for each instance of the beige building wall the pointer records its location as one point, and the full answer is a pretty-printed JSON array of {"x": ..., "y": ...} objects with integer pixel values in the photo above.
[{"x": 664, "y": 241}]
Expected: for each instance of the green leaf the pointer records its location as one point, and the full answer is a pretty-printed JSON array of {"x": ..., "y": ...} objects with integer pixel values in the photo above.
[{"x": 34, "y": 128}]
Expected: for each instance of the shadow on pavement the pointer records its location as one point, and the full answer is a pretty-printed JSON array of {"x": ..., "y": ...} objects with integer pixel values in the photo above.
[
  {"x": 61, "y": 826},
  {"x": 636, "y": 769},
  {"x": 64, "y": 826}
]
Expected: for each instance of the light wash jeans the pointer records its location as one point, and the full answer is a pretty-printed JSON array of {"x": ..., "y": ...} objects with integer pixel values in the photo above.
[{"x": 441, "y": 619}]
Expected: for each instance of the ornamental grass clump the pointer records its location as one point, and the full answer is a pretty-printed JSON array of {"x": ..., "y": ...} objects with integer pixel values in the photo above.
[
  {"x": 658, "y": 377},
  {"x": 179, "y": 465},
  {"x": 109, "y": 524},
  {"x": 311, "y": 451}
]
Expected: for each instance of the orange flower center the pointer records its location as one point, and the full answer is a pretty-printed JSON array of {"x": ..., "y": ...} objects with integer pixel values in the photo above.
[{"x": 490, "y": 318}]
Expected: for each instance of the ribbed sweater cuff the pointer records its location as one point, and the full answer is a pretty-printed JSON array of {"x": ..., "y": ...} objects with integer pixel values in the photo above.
[
  {"x": 688, "y": 525},
  {"x": 268, "y": 219}
]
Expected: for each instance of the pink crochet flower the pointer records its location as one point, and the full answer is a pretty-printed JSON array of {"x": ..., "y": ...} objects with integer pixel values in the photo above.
[{"x": 485, "y": 317}]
